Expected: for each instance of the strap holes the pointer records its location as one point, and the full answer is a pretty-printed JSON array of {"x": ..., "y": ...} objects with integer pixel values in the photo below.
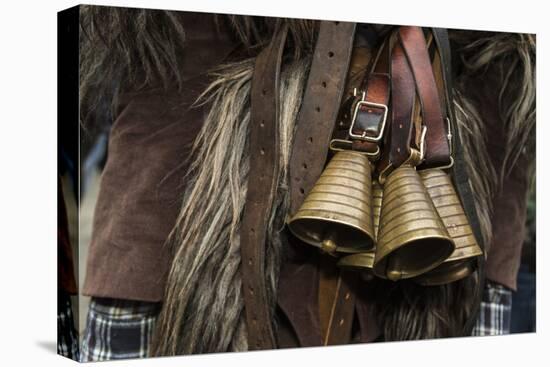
[
  {"x": 304, "y": 166},
  {"x": 336, "y": 23},
  {"x": 310, "y": 139},
  {"x": 324, "y": 84},
  {"x": 302, "y": 191},
  {"x": 318, "y": 109},
  {"x": 330, "y": 54},
  {"x": 264, "y": 92}
]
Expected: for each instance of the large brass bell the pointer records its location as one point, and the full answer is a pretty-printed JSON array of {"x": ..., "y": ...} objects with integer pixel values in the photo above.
[
  {"x": 365, "y": 260},
  {"x": 461, "y": 263},
  {"x": 336, "y": 215},
  {"x": 411, "y": 239}
]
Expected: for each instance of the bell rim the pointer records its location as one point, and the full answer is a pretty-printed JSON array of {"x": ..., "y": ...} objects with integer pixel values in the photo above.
[
  {"x": 380, "y": 263},
  {"x": 342, "y": 249},
  {"x": 462, "y": 269}
]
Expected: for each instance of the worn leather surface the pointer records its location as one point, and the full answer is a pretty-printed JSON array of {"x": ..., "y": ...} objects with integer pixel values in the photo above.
[
  {"x": 414, "y": 45},
  {"x": 262, "y": 188},
  {"x": 320, "y": 107},
  {"x": 403, "y": 97}
]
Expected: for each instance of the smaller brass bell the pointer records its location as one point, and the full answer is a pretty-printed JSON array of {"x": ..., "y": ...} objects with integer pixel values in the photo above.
[
  {"x": 365, "y": 260},
  {"x": 411, "y": 239},
  {"x": 336, "y": 215},
  {"x": 461, "y": 263}
]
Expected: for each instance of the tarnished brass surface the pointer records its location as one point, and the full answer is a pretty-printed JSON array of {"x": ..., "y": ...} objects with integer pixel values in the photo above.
[
  {"x": 447, "y": 203},
  {"x": 362, "y": 261},
  {"x": 412, "y": 238},
  {"x": 365, "y": 260},
  {"x": 337, "y": 214}
]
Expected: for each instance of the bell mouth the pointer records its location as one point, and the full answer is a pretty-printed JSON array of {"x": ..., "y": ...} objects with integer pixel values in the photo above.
[
  {"x": 348, "y": 238},
  {"x": 448, "y": 272},
  {"x": 414, "y": 258}
]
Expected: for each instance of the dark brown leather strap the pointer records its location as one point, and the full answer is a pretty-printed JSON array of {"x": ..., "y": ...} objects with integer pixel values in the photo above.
[
  {"x": 459, "y": 169},
  {"x": 262, "y": 187},
  {"x": 371, "y": 116},
  {"x": 336, "y": 301},
  {"x": 414, "y": 44},
  {"x": 403, "y": 97},
  {"x": 399, "y": 134},
  {"x": 343, "y": 310},
  {"x": 321, "y": 103}
]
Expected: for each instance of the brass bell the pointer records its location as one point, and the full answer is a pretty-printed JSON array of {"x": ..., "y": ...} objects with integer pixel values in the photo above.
[
  {"x": 336, "y": 215},
  {"x": 365, "y": 260},
  {"x": 461, "y": 263},
  {"x": 411, "y": 239}
]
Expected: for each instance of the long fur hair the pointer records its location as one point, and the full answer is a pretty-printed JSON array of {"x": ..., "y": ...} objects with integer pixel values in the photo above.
[{"x": 203, "y": 306}]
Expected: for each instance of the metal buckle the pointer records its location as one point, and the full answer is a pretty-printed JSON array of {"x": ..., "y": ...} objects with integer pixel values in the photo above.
[
  {"x": 363, "y": 136},
  {"x": 334, "y": 147}
]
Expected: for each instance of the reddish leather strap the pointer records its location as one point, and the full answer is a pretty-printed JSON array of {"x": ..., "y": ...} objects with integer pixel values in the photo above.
[
  {"x": 262, "y": 188},
  {"x": 399, "y": 134},
  {"x": 403, "y": 96},
  {"x": 414, "y": 44},
  {"x": 321, "y": 103},
  {"x": 369, "y": 120}
]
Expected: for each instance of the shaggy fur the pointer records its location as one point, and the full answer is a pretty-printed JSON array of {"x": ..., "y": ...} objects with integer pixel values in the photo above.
[
  {"x": 511, "y": 58},
  {"x": 203, "y": 308},
  {"x": 131, "y": 49}
]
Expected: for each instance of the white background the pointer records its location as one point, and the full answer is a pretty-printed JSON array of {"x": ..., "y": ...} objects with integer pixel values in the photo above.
[{"x": 28, "y": 139}]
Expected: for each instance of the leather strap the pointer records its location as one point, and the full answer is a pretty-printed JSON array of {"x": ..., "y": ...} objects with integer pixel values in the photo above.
[
  {"x": 459, "y": 169},
  {"x": 369, "y": 117},
  {"x": 262, "y": 187},
  {"x": 321, "y": 103},
  {"x": 399, "y": 135},
  {"x": 342, "y": 312},
  {"x": 403, "y": 98},
  {"x": 414, "y": 44},
  {"x": 336, "y": 302}
]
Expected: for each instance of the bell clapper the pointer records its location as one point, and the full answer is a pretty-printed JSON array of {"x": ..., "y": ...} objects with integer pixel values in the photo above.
[
  {"x": 392, "y": 269},
  {"x": 328, "y": 244}
]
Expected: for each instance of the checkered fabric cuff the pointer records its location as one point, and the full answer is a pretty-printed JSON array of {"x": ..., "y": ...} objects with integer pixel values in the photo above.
[
  {"x": 118, "y": 329},
  {"x": 67, "y": 338},
  {"x": 495, "y": 312}
]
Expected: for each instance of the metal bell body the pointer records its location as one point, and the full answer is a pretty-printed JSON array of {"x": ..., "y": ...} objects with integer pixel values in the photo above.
[
  {"x": 365, "y": 260},
  {"x": 337, "y": 214},
  {"x": 412, "y": 238},
  {"x": 461, "y": 263}
]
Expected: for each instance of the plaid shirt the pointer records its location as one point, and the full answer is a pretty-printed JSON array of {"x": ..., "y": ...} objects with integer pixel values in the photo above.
[
  {"x": 495, "y": 312},
  {"x": 120, "y": 329},
  {"x": 67, "y": 337}
]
